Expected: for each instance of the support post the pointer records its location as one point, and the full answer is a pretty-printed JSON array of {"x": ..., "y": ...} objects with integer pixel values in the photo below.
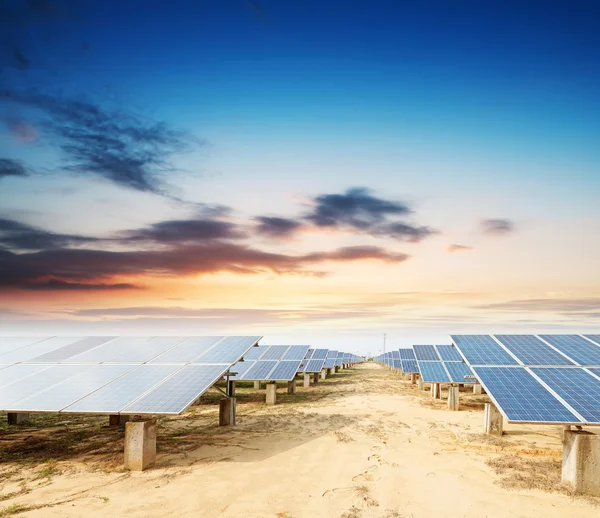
[
  {"x": 323, "y": 374},
  {"x": 581, "y": 461},
  {"x": 413, "y": 379},
  {"x": 118, "y": 420},
  {"x": 477, "y": 388},
  {"x": 257, "y": 385},
  {"x": 306, "y": 380},
  {"x": 271, "y": 393},
  {"x": 564, "y": 429},
  {"x": 436, "y": 392},
  {"x": 17, "y": 418},
  {"x": 292, "y": 386},
  {"x": 453, "y": 396},
  {"x": 493, "y": 420},
  {"x": 337, "y": 368},
  {"x": 420, "y": 383},
  {"x": 316, "y": 378},
  {"x": 140, "y": 444},
  {"x": 227, "y": 406}
]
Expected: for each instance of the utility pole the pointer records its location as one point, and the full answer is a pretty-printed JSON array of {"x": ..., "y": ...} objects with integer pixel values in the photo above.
[{"x": 384, "y": 335}]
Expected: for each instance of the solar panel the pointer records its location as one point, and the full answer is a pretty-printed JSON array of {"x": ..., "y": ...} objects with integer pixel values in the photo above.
[
  {"x": 320, "y": 354},
  {"x": 458, "y": 371},
  {"x": 426, "y": 352},
  {"x": 229, "y": 350},
  {"x": 433, "y": 372},
  {"x": 285, "y": 371},
  {"x": 482, "y": 350},
  {"x": 111, "y": 398},
  {"x": 339, "y": 360},
  {"x": 275, "y": 352},
  {"x": 18, "y": 390},
  {"x": 106, "y": 352},
  {"x": 314, "y": 365},
  {"x": 309, "y": 354},
  {"x": 595, "y": 371},
  {"x": 188, "y": 350},
  {"x": 62, "y": 353},
  {"x": 13, "y": 373},
  {"x": 148, "y": 350},
  {"x": 396, "y": 363},
  {"x": 254, "y": 353},
  {"x": 448, "y": 353},
  {"x": 332, "y": 354},
  {"x": 296, "y": 352},
  {"x": 409, "y": 366},
  {"x": 260, "y": 370},
  {"x": 177, "y": 393},
  {"x": 595, "y": 338},
  {"x": 10, "y": 343},
  {"x": 575, "y": 347},
  {"x": 407, "y": 354},
  {"x": 23, "y": 354},
  {"x": 241, "y": 368},
  {"x": 329, "y": 363},
  {"x": 530, "y": 350},
  {"x": 578, "y": 388},
  {"x": 520, "y": 397},
  {"x": 395, "y": 355},
  {"x": 66, "y": 393}
]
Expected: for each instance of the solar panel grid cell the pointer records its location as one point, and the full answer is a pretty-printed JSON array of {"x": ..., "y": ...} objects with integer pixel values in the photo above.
[
  {"x": 314, "y": 365},
  {"x": 254, "y": 353},
  {"x": 594, "y": 338},
  {"x": 24, "y": 354},
  {"x": 482, "y": 350},
  {"x": 275, "y": 352},
  {"x": 13, "y": 373},
  {"x": 67, "y": 351},
  {"x": 240, "y": 369},
  {"x": 228, "y": 350},
  {"x": 448, "y": 353},
  {"x": 188, "y": 350},
  {"x": 285, "y": 371},
  {"x": 575, "y": 347},
  {"x": 433, "y": 372},
  {"x": 532, "y": 351},
  {"x": 458, "y": 371},
  {"x": 106, "y": 352},
  {"x": 409, "y": 366},
  {"x": 147, "y": 350},
  {"x": 426, "y": 353},
  {"x": 320, "y": 354},
  {"x": 329, "y": 363},
  {"x": 407, "y": 354},
  {"x": 296, "y": 352},
  {"x": 260, "y": 370}
]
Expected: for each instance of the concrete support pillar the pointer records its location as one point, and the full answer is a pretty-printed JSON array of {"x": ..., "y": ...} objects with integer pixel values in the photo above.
[
  {"x": 436, "y": 391},
  {"x": 316, "y": 378},
  {"x": 323, "y": 373},
  {"x": 330, "y": 371},
  {"x": 563, "y": 431},
  {"x": 493, "y": 420},
  {"x": 413, "y": 379},
  {"x": 292, "y": 387},
  {"x": 17, "y": 418},
  {"x": 477, "y": 388},
  {"x": 306, "y": 380},
  {"x": 337, "y": 368},
  {"x": 227, "y": 411},
  {"x": 140, "y": 444},
  {"x": 581, "y": 461},
  {"x": 271, "y": 393},
  {"x": 420, "y": 383},
  {"x": 118, "y": 420},
  {"x": 453, "y": 396},
  {"x": 257, "y": 385}
]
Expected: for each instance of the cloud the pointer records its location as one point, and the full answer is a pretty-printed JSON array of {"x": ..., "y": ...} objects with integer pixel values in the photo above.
[
  {"x": 561, "y": 305},
  {"x": 118, "y": 145},
  {"x": 10, "y": 167},
  {"x": 185, "y": 231},
  {"x": 56, "y": 285},
  {"x": 357, "y": 253},
  {"x": 458, "y": 248},
  {"x": 22, "y": 131},
  {"x": 277, "y": 227},
  {"x": 16, "y": 235},
  {"x": 497, "y": 226}
]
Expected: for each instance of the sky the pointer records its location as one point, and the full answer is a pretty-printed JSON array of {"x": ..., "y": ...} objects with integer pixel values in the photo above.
[{"x": 314, "y": 172}]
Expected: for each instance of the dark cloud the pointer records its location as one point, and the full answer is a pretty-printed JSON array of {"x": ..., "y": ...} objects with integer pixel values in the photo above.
[
  {"x": 357, "y": 253},
  {"x": 16, "y": 235},
  {"x": 458, "y": 248},
  {"x": 185, "y": 231},
  {"x": 277, "y": 227},
  {"x": 56, "y": 285},
  {"x": 10, "y": 167},
  {"x": 120, "y": 146},
  {"x": 497, "y": 226},
  {"x": 405, "y": 232}
]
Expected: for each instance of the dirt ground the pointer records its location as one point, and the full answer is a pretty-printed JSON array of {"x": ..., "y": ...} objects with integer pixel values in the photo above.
[{"x": 362, "y": 443}]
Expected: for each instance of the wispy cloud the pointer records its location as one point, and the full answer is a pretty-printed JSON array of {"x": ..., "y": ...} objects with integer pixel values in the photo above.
[
  {"x": 561, "y": 305},
  {"x": 10, "y": 167},
  {"x": 16, "y": 235},
  {"x": 458, "y": 248},
  {"x": 277, "y": 227},
  {"x": 497, "y": 226}
]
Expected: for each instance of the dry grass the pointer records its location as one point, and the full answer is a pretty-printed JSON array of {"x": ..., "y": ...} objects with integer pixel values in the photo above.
[
  {"x": 518, "y": 471},
  {"x": 353, "y": 512}
]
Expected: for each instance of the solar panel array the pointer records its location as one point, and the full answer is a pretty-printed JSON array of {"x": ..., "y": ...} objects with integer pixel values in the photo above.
[
  {"x": 538, "y": 378},
  {"x": 112, "y": 375},
  {"x": 271, "y": 363}
]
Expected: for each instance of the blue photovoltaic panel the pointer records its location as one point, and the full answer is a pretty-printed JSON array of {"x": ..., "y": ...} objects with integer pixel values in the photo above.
[
  {"x": 106, "y": 352},
  {"x": 228, "y": 350},
  {"x": 409, "y": 366},
  {"x": 521, "y": 397},
  {"x": 448, "y": 353},
  {"x": 458, "y": 371},
  {"x": 260, "y": 370},
  {"x": 177, "y": 393},
  {"x": 23, "y": 354},
  {"x": 329, "y": 363},
  {"x": 188, "y": 350},
  {"x": 296, "y": 352},
  {"x": 407, "y": 354},
  {"x": 11, "y": 394},
  {"x": 111, "y": 398},
  {"x": 395, "y": 355},
  {"x": 339, "y": 360},
  {"x": 595, "y": 371},
  {"x": 426, "y": 353},
  {"x": 530, "y": 350},
  {"x": 19, "y": 371},
  {"x": 314, "y": 365},
  {"x": 482, "y": 350},
  {"x": 595, "y": 338},
  {"x": 241, "y": 368},
  {"x": 396, "y": 363},
  {"x": 285, "y": 371},
  {"x": 578, "y": 388},
  {"x": 66, "y": 393},
  {"x": 332, "y": 354},
  {"x": 433, "y": 372},
  {"x": 309, "y": 354},
  {"x": 320, "y": 354},
  {"x": 148, "y": 350},
  {"x": 62, "y": 353},
  {"x": 575, "y": 347},
  {"x": 275, "y": 352},
  {"x": 10, "y": 343},
  {"x": 254, "y": 353}
]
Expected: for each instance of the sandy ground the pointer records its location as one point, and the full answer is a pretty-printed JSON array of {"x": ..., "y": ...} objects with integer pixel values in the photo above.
[{"x": 363, "y": 443}]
